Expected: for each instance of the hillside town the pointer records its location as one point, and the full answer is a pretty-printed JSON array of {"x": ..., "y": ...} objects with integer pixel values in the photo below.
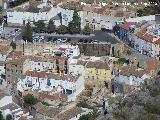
[{"x": 79, "y": 60}]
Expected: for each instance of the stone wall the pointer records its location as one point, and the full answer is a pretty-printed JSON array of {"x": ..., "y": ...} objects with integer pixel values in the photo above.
[{"x": 96, "y": 49}]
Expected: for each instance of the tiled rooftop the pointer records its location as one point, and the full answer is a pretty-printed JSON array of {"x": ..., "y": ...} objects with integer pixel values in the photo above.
[
  {"x": 4, "y": 49},
  {"x": 15, "y": 54},
  {"x": 45, "y": 110},
  {"x": 71, "y": 113},
  {"x": 56, "y": 76},
  {"x": 131, "y": 70},
  {"x": 98, "y": 65},
  {"x": 80, "y": 62},
  {"x": 152, "y": 65},
  {"x": 127, "y": 25}
]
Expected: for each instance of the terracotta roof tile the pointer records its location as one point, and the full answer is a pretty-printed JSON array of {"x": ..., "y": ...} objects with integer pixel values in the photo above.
[
  {"x": 40, "y": 74},
  {"x": 15, "y": 54},
  {"x": 119, "y": 14},
  {"x": 100, "y": 10},
  {"x": 152, "y": 65},
  {"x": 56, "y": 76},
  {"x": 18, "y": 61},
  {"x": 4, "y": 49},
  {"x": 127, "y": 25},
  {"x": 88, "y": 9},
  {"x": 148, "y": 37},
  {"x": 157, "y": 42},
  {"x": 141, "y": 32},
  {"x": 98, "y": 65},
  {"x": 62, "y": 49},
  {"x": 80, "y": 62}
]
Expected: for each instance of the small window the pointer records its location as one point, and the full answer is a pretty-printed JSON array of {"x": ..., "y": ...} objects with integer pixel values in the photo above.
[{"x": 38, "y": 63}]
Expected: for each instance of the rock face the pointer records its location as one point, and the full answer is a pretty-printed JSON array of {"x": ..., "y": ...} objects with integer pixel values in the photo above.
[
  {"x": 141, "y": 104},
  {"x": 95, "y": 49}
]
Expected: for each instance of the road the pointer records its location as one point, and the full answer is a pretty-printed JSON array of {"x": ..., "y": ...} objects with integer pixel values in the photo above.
[{"x": 143, "y": 59}]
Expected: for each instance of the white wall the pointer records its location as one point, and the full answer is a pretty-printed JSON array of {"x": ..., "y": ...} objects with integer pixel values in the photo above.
[
  {"x": 156, "y": 50},
  {"x": 2, "y": 70},
  {"x": 131, "y": 80},
  {"x": 76, "y": 69},
  {"x": 3, "y": 57},
  {"x": 6, "y": 100},
  {"x": 139, "y": 19},
  {"x": 18, "y": 17}
]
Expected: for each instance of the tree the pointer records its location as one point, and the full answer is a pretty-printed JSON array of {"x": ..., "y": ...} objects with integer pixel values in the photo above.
[
  {"x": 62, "y": 29},
  {"x": 1, "y": 9},
  {"x": 75, "y": 25},
  {"x": 84, "y": 117},
  {"x": 39, "y": 26},
  {"x": 13, "y": 44},
  {"x": 140, "y": 13},
  {"x": 27, "y": 35},
  {"x": 9, "y": 117},
  {"x": 50, "y": 27},
  {"x": 1, "y": 116},
  {"x": 29, "y": 100},
  {"x": 121, "y": 61},
  {"x": 87, "y": 30},
  {"x": 91, "y": 115},
  {"x": 128, "y": 52}
]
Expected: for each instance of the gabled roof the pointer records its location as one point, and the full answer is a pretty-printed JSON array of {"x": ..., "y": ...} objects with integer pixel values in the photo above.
[
  {"x": 148, "y": 37},
  {"x": 4, "y": 49},
  {"x": 98, "y": 65},
  {"x": 80, "y": 62},
  {"x": 62, "y": 49},
  {"x": 15, "y": 54},
  {"x": 70, "y": 113},
  {"x": 45, "y": 110},
  {"x": 127, "y": 25},
  {"x": 119, "y": 14},
  {"x": 152, "y": 65},
  {"x": 157, "y": 42}
]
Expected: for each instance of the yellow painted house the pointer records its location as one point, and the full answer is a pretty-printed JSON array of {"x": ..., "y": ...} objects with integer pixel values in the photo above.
[{"x": 98, "y": 71}]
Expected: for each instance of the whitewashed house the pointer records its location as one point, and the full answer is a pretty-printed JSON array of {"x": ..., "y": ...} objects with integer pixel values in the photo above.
[
  {"x": 42, "y": 64},
  {"x": 77, "y": 68},
  {"x": 148, "y": 41},
  {"x": 50, "y": 82},
  {"x": 131, "y": 75},
  {"x": 9, "y": 107}
]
